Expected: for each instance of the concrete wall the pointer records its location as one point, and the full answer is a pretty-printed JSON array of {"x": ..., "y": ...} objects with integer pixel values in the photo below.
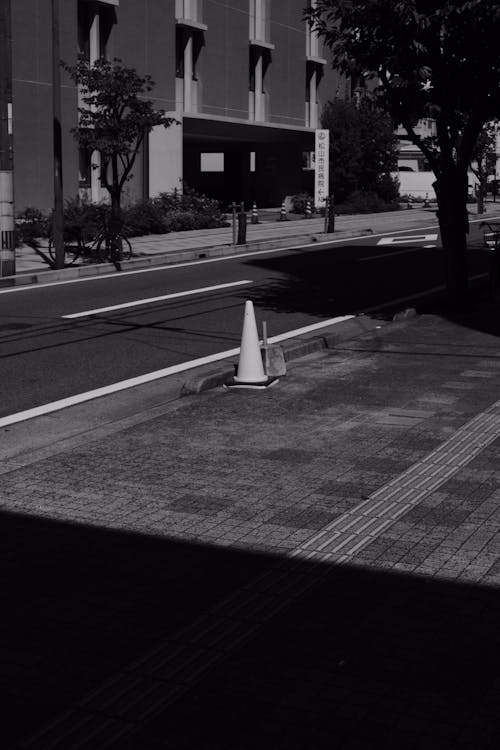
[
  {"x": 286, "y": 78},
  {"x": 144, "y": 37},
  {"x": 223, "y": 61},
  {"x": 32, "y": 102}
]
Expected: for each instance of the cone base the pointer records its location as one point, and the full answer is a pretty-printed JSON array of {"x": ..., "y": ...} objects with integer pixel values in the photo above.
[{"x": 252, "y": 386}]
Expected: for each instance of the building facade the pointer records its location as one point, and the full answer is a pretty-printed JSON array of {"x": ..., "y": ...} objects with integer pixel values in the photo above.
[{"x": 245, "y": 80}]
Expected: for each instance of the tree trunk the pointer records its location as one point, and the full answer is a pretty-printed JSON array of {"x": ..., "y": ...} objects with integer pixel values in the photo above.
[
  {"x": 451, "y": 193},
  {"x": 115, "y": 193}
]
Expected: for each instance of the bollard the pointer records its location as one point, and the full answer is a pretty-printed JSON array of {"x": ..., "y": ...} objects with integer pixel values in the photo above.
[
  {"x": 233, "y": 206},
  {"x": 426, "y": 200},
  {"x": 308, "y": 210},
  {"x": 408, "y": 203},
  {"x": 329, "y": 215},
  {"x": 255, "y": 215},
  {"x": 242, "y": 226},
  {"x": 283, "y": 216}
]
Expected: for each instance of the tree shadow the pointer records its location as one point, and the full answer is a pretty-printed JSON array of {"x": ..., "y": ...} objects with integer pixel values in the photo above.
[
  {"x": 342, "y": 280},
  {"x": 360, "y": 658}
]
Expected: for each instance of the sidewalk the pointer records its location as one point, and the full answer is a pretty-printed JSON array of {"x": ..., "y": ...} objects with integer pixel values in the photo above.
[
  {"x": 314, "y": 566},
  {"x": 187, "y": 245}
]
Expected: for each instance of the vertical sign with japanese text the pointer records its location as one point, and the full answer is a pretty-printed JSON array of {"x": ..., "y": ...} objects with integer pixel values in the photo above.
[{"x": 321, "y": 167}]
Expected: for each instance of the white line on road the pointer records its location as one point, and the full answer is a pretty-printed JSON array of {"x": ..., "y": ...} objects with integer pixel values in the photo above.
[
  {"x": 407, "y": 238},
  {"x": 148, "y": 301},
  {"x": 219, "y": 259},
  {"x": 123, "y": 385}
]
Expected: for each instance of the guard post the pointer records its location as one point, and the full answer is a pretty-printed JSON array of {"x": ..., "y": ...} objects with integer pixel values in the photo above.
[
  {"x": 242, "y": 226},
  {"x": 330, "y": 214}
]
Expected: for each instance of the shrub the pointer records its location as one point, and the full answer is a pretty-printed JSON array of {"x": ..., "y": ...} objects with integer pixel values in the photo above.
[
  {"x": 205, "y": 211},
  {"x": 30, "y": 225},
  {"x": 361, "y": 202},
  {"x": 144, "y": 217},
  {"x": 169, "y": 212},
  {"x": 83, "y": 218},
  {"x": 299, "y": 203}
]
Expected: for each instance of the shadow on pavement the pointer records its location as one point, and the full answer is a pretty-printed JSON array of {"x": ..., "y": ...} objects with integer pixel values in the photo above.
[
  {"x": 338, "y": 280},
  {"x": 363, "y": 659}
]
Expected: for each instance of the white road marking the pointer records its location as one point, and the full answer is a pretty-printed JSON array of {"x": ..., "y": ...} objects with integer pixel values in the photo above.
[
  {"x": 174, "y": 295},
  {"x": 123, "y": 385},
  {"x": 219, "y": 259},
  {"x": 408, "y": 238},
  {"x": 308, "y": 329}
]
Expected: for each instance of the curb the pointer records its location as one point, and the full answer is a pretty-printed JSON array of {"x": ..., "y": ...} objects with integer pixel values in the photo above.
[
  {"x": 170, "y": 258},
  {"x": 300, "y": 347}
]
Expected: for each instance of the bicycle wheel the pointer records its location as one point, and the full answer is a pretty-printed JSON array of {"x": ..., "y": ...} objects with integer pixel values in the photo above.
[
  {"x": 126, "y": 248},
  {"x": 102, "y": 249},
  {"x": 72, "y": 252},
  {"x": 108, "y": 249}
]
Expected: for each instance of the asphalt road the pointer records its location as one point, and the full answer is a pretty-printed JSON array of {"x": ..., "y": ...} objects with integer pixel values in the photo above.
[{"x": 46, "y": 356}]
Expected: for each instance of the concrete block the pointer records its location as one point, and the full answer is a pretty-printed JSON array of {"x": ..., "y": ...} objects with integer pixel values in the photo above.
[
  {"x": 274, "y": 360},
  {"x": 205, "y": 381}
]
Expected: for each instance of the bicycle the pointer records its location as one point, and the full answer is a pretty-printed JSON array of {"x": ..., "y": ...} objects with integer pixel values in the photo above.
[
  {"x": 109, "y": 244},
  {"x": 492, "y": 242}
]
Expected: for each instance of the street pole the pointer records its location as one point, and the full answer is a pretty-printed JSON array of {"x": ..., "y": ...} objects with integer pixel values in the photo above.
[
  {"x": 7, "y": 235},
  {"x": 58, "y": 219}
]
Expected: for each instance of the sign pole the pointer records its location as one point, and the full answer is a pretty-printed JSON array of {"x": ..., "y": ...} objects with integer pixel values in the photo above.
[
  {"x": 321, "y": 168},
  {"x": 7, "y": 241},
  {"x": 58, "y": 221}
]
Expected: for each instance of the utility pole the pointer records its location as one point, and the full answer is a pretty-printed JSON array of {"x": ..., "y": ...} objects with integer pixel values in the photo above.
[
  {"x": 7, "y": 236},
  {"x": 58, "y": 221}
]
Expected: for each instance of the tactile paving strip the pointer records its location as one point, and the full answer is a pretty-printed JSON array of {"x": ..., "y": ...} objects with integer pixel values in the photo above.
[
  {"x": 145, "y": 688},
  {"x": 352, "y": 531}
]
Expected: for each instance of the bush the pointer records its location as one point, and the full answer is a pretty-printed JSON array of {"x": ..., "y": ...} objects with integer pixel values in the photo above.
[
  {"x": 173, "y": 212},
  {"x": 361, "y": 202},
  {"x": 169, "y": 212},
  {"x": 83, "y": 218},
  {"x": 144, "y": 217},
  {"x": 299, "y": 203}
]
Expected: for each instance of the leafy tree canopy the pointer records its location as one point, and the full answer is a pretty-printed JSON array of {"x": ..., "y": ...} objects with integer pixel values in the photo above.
[
  {"x": 114, "y": 116},
  {"x": 363, "y": 149},
  {"x": 426, "y": 59}
]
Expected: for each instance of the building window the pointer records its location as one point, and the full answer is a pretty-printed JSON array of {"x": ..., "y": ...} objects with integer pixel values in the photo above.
[
  {"x": 188, "y": 45},
  {"x": 95, "y": 23},
  {"x": 84, "y": 167},
  {"x": 312, "y": 80},
  {"x": 312, "y": 39},
  {"x": 189, "y": 9},
  {"x": 259, "y": 61},
  {"x": 260, "y": 20},
  {"x": 212, "y": 162}
]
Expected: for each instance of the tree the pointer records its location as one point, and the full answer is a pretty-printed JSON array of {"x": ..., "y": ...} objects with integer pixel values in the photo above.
[
  {"x": 482, "y": 161},
  {"x": 114, "y": 119},
  {"x": 433, "y": 59},
  {"x": 363, "y": 149}
]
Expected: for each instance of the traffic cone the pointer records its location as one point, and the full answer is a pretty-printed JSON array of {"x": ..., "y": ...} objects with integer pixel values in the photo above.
[
  {"x": 255, "y": 215},
  {"x": 250, "y": 373},
  {"x": 283, "y": 216}
]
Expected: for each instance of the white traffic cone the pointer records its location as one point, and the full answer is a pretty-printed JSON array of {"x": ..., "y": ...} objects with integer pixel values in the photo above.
[
  {"x": 250, "y": 373},
  {"x": 250, "y": 367}
]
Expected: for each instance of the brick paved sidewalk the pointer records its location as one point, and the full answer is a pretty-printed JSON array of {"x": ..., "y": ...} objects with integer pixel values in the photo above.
[{"x": 315, "y": 566}]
